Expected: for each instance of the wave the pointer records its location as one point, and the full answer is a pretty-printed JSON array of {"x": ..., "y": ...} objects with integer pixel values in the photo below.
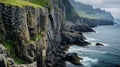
[
  {"x": 94, "y": 44},
  {"x": 90, "y": 39},
  {"x": 96, "y": 31},
  {"x": 89, "y": 62},
  {"x": 86, "y": 62},
  {"x": 82, "y": 49},
  {"x": 68, "y": 64},
  {"x": 113, "y": 54}
]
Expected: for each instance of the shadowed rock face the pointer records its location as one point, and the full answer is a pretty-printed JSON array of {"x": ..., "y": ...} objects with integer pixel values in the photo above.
[
  {"x": 73, "y": 38},
  {"x": 2, "y": 56}
]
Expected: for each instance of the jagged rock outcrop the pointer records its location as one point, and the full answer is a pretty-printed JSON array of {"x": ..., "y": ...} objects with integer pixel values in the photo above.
[
  {"x": 73, "y": 58},
  {"x": 4, "y": 60},
  {"x": 3, "y": 53},
  {"x": 73, "y": 38}
]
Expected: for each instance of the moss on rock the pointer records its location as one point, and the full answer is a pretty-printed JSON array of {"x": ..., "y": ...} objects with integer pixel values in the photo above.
[{"x": 10, "y": 46}]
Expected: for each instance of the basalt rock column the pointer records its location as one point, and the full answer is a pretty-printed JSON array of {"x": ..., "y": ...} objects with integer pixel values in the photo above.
[{"x": 41, "y": 52}]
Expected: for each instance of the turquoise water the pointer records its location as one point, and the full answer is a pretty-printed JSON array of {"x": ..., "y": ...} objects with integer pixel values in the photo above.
[{"x": 101, "y": 56}]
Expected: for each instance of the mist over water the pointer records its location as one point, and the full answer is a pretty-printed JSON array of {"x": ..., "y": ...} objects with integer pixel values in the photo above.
[{"x": 101, "y": 56}]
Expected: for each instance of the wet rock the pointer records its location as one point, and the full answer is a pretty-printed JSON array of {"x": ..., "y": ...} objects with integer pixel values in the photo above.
[
  {"x": 99, "y": 44},
  {"x": 73, "y": 38},
  {"x": 73, "y": 58},
  {"x": 3, "y": 50}
]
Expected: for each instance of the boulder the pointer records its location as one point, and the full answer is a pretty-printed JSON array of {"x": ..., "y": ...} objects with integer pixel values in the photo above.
[
  {"x": 73, "y": 38},
  {"x": 73, "y": 58},
  {"x": 99, "y": 44}
]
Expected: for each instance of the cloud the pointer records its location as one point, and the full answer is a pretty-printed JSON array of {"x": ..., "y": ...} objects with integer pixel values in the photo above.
[{"x": 112, "y": 6}]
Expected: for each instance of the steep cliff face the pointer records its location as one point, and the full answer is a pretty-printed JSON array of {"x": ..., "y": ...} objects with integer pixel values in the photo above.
[
  {"x": 87, "y": 11},
  {"x": 72, "y": 16},
  {"x": 22, "y": 30},
  {"x": 33, "y": 34}
]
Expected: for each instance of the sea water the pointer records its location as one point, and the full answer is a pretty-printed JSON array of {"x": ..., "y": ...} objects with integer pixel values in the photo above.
[{"x": 100, "y": 56}]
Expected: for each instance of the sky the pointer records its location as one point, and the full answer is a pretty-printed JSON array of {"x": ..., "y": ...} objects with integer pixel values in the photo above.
[{"x": 112, "y": 6}]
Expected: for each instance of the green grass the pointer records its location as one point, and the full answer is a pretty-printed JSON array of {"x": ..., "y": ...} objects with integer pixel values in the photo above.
[
  {"x": 37, "y": 37},
  {"x": 40, "y": 2},
  {"x": 20, "y": 3},
  {"x": 85, "y": 15},
  {"x": 18, "y": 60},
  {"x": 1, "y": 36},
  {"x": 10, "y": 46}
]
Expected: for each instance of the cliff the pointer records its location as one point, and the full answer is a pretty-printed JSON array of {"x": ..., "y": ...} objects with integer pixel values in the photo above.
[
  {"x": 91, "y": 16},
  {"x": 38, "y": 35},
  {"x": 87, "y": 11}
]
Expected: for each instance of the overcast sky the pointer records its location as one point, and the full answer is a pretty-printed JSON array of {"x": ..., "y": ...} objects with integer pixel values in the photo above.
[{"x": 112, "y": 6}]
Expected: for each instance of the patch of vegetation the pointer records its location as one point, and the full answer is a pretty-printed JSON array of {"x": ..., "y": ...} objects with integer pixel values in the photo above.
[
  {"x": 85, "y": 15},
  {"x": 40, "y": 2},
  {"x": 10, "y": 46},
  {"x": 1, "y": 36},
  {"x": 37, "y": 37},
  {"x": 20, "y": 3},
  {"x": 18, "y": 60}
]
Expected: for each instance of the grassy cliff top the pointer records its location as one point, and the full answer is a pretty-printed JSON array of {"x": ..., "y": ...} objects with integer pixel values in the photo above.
[
  {"x": 22, "y": 3},
  {"x": 40, "y": 2},
  {"x": 90, "y": 16}
]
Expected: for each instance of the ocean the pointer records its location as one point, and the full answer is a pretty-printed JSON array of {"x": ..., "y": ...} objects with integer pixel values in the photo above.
[{"x": 100, "y": 56}]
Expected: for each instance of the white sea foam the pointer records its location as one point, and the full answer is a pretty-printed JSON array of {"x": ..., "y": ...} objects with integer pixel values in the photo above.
[
  {"x": 68, "y": 64},
  {"x": 89, "y": 62},
  {"x": 82, "y": 49},
  {"x": 90, "y": 39},
  {"x": 96, "y": 31},
  {"x": 94, "y": 44},
  {"x": 105, "y": 44}
]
